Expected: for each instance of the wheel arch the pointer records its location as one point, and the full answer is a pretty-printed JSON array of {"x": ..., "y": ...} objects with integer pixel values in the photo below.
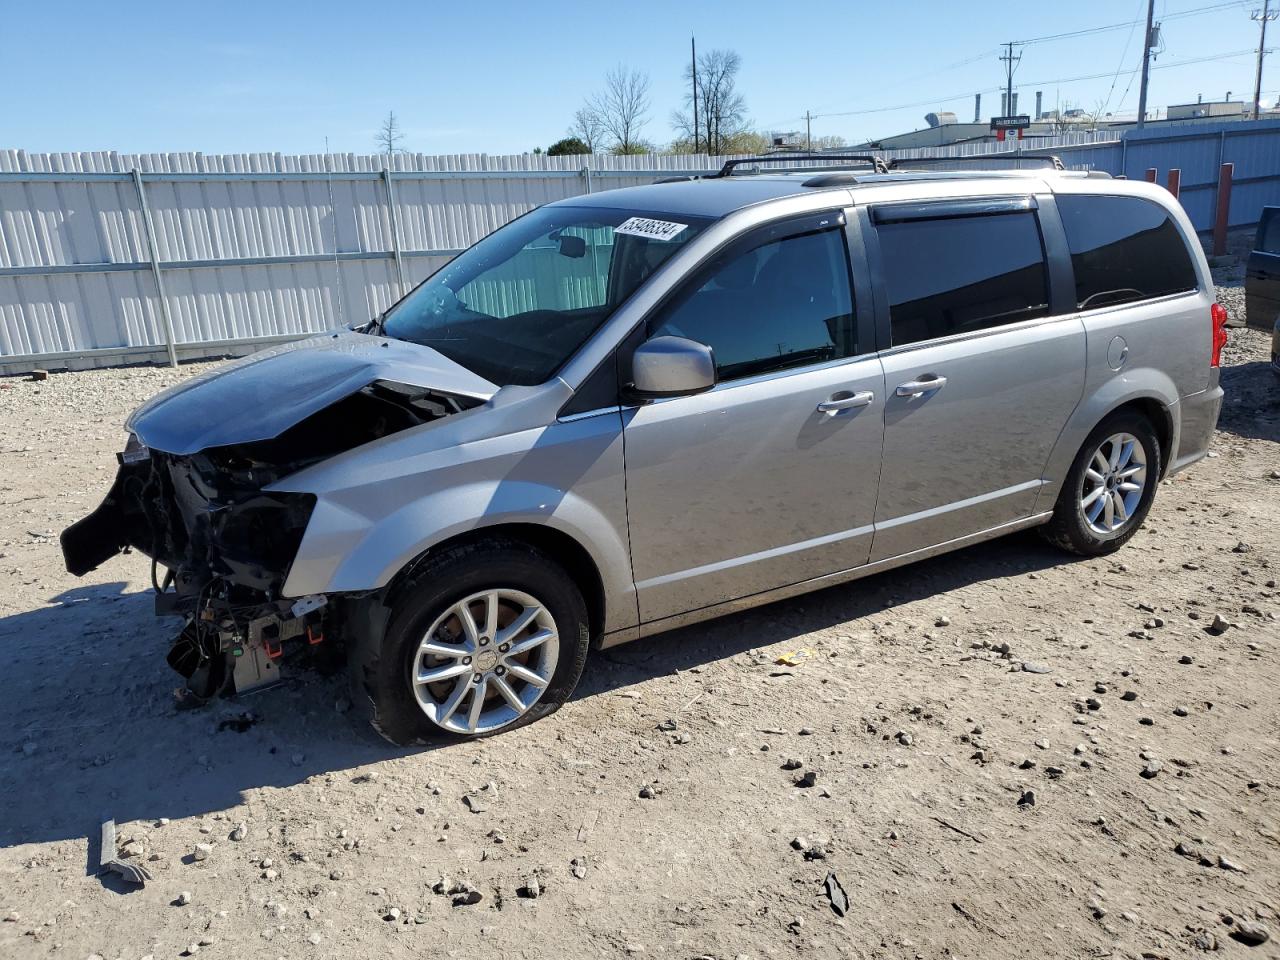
[
  {"x": 555, "y": 543},
  {"x": 1156, "y": 399},
  {"x": 1161, "y": 419}
]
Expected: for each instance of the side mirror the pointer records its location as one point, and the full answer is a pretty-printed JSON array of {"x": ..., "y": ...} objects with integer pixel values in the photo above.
[{"x": 671, "y": 367}]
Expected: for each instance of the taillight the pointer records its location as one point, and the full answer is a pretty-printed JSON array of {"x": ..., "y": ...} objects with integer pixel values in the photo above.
[{"x": 1219, "y": 314}]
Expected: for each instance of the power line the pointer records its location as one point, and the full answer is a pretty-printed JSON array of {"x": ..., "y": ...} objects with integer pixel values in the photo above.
[
  {"x": 1120, "y": 66},
  {"x": 1090, "y": 31},
  {"x": 1087, "y": 31},
  {"x": 985, "y": 54},
  {"x": 1161, "y": 66},
  {"x": 1029, "y": 83}
]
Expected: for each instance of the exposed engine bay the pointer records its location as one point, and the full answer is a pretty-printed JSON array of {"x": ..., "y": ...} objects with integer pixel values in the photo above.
[{"x": 222, "y": 545}]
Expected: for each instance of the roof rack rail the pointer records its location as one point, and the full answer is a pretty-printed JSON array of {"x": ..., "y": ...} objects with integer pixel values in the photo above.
[
  {"x": 1048, "y": 160},
  {"x": 876, "y": 163}
]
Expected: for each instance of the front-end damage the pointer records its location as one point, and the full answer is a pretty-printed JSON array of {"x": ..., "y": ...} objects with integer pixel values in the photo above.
[{"x": 225, "y": 543}]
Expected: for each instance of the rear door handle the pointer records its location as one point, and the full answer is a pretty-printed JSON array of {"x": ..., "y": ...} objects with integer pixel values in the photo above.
[
  {"x": 841, "y": 401},
  {"x": 916, "y": 388}
]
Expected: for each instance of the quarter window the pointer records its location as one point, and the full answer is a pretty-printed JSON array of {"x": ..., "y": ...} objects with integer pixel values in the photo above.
[
  {"x": 961, "y": 274},
  {"x": 1123, "y": 249},
  {"x": 784, "y": 303}
]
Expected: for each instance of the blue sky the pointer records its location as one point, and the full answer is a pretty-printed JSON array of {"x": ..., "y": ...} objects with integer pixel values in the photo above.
[{"x": 499, "y": 77}]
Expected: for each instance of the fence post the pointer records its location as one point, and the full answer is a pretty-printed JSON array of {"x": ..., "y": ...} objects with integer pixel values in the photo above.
[
  {"x": 154, "y": 251},
  {"x": 1151, "y": 175},
  {"x": 1175, "y": 182},
  {"x": 403, "y": 285},
  {"x": 1223, "y": 213},
  {"x": 586, "y": 172}
]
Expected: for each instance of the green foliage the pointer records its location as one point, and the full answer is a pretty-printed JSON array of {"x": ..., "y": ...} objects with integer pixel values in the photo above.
[
  {"x": 568, "y": 147},
  {"x": 633, "y": 149}
]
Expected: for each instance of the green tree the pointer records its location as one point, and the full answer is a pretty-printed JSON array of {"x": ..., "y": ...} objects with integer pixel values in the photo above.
[{"x": 568, "y": 147}]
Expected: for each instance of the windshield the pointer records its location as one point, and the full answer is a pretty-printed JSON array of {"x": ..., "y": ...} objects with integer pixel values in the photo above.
[{"x": 517, "y": 305}]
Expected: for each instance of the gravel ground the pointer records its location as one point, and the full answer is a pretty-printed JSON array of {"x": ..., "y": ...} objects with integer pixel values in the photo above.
[{"x": 1013, "y": 754}]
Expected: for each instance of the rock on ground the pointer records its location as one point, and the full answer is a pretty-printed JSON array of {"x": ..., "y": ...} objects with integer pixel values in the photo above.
[{"x": 932, "y": 847}]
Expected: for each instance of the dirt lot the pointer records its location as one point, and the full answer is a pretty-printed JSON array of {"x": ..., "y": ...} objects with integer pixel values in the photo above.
[{"x": 915, "y": 713}]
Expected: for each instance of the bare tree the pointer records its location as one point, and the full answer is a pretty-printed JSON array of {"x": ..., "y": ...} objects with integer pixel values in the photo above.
[
  {"x": 1098, "y": 114},
  {"x": 389, "y": 136},
  {"x": 722, "y": 111},
  {"x": 621, "y": 108},
  {"x": 586, "y": 127}
]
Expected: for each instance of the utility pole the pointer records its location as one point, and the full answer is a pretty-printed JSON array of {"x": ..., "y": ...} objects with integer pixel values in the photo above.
[
  {"x": 1263, "y": 17},
  {"x": 1146, "y": 65},
  {"x": 808, "y": 132},
  {"x": 693, "y": 48},
  {"x": 1009, "y": 61}
]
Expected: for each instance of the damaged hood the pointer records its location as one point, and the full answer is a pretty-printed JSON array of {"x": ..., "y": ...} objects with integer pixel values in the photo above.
[{"x": 263, "y": 395}]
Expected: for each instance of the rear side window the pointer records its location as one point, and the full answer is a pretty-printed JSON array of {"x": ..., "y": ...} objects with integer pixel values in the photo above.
[
  {"x": 1124, "y": 249},
  {"x": 961, "y": 274}
]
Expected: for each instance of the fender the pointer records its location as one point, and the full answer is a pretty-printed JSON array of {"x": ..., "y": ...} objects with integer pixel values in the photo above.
[
  {"x": 342, "y": 552},
  {"x": 380, "y": 508},
  {"x": 1101, "y": 399}
]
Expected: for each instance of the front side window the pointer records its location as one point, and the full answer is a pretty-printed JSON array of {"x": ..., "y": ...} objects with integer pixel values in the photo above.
[
  {"x": 1123, "y": 249},
  {"x": 517, "y": 305},
  {"x": 781, "y": 304},
  {"x": 962, "y": 274}
]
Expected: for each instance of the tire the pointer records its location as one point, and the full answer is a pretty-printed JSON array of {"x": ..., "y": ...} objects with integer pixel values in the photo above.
[
  {"x": 521, "y": 578},
  {"x": 1071, "y": 527}
]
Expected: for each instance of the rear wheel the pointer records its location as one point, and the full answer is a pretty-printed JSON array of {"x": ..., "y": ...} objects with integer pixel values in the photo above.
[
  {"x": 486, "y": 637},
  {"x": 1108, "y": 491}
]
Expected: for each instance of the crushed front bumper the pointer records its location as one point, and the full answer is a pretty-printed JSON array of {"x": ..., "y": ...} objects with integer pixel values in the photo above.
[
  {"x": 193, "y": 517},
  {"x": 226, "y": 547}
]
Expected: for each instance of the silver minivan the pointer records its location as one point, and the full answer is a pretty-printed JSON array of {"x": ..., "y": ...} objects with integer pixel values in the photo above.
[{"x": 634, "y": 410}]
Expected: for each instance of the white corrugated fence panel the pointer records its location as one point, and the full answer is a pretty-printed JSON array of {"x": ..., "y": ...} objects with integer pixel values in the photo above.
[{"x": 247, "y": 242}]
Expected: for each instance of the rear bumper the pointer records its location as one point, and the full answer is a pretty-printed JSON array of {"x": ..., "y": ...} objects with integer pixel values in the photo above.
[{"x": 1199, "y": 416}]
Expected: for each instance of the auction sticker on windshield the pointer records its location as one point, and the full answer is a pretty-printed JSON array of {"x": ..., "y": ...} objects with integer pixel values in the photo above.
[{"x": 653, "y": 229}]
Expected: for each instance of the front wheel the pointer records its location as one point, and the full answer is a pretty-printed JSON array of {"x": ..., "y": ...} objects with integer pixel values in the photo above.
[
  {"x": 485, "y": 637},
  {"x": 1108, "y": 491}
]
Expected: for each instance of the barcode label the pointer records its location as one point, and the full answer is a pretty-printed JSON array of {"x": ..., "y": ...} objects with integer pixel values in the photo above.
[{"x": 653, "y": 229}]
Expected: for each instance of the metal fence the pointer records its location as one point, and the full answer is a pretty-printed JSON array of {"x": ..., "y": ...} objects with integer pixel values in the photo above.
[
  {"x": 108, "y": 258},
  {"x": 1198, "y": 152}
]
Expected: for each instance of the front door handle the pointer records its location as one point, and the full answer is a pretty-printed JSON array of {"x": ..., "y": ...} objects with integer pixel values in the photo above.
[
  {"x": 926, "y": 384},
  {"x": 845, "y": 401}
]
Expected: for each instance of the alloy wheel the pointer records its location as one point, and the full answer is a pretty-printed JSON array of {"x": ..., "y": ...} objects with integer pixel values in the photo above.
[
  {"x": 1113, "y": 483},
  {"x": 485, "y": 661}
]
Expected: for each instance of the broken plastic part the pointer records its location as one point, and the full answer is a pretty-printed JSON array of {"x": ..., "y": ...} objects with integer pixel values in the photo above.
[
  {"x": 308, "y": 604},
  {"x": 109, "y": 861}
]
